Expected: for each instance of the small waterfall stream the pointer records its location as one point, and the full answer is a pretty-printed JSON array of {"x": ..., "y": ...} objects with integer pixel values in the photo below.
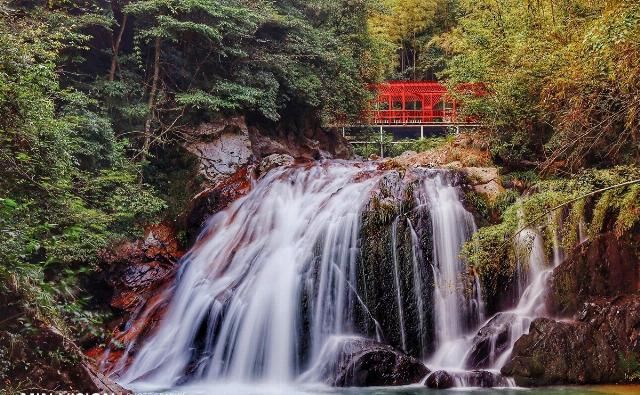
[
  {"x": 452, "y": 226},
  {"x": 396, "y": 279}
]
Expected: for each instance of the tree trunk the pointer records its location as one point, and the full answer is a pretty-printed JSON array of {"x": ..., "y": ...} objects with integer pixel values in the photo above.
[
  {"x": 152, "y": 101},
  {"x": 115, "y": 48}
]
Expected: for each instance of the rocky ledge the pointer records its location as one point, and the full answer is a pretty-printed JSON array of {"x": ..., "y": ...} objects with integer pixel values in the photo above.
[
  {"x": 602, "y": 346},
  {"x": 359, "y": 362},
  {"x": 598, "y": 290}
]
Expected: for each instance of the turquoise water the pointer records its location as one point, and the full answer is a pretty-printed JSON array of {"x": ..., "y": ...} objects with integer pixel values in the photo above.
[{"x": 256, "y": 389}]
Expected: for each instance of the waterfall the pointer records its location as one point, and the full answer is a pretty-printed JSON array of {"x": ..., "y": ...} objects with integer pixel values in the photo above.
[
  {"x": 497, "y": 336},
  {"x": 396, "y": 279},
  {"x": 272, "y": 284},
  {"x": 417, "y": 283},
  {"x": 531, "y": 304},
  {"x": 270, "y": 279},
  {"x": 452, "y": 226}
]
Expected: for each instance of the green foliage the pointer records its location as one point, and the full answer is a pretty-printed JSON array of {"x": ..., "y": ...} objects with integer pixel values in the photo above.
[
  {"x": 404, "y": 35},
  {"x": 561, "y": 79},
  {"x": 97, "y": 97},
  {"x": 370, "y": 144},
  {"x": 492, "y": 251},
  {"x": 66, "y": 187}
]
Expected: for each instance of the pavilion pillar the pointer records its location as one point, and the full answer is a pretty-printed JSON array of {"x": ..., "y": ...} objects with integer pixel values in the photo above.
[{"x": 381, "y": 142}]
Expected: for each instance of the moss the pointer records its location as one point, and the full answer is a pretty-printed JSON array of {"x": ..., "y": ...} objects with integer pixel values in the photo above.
[
  {"x": 491, "y": 252},
  {"x": 479, "y": 206},
  {"x": 395, "y": 202},
  {"x": 629, "y": 365}
]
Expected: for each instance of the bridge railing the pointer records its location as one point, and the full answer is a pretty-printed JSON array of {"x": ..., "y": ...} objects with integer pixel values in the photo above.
[{"x": 406, "y": 117}]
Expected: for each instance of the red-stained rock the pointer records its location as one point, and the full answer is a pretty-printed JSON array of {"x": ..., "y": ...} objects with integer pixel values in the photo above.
[
  {"x": 137, "y": 269},
  {"x": 141, "y": 274},
  {"x": 216, "y": 198}
]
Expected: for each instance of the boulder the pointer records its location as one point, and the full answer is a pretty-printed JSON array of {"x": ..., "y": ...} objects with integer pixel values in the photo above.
[
  {"x": 601, "y": 346},
  {"x": 221, "y": 147},
  {"x": 606, "y": 266},
  {"x": 484, "y": 180},
  {"x": 491, "y": 341},
  {"x": 274, "y": 160},
  {"x": 359, "y": 362},
  {"x": 440, "y": 380}
]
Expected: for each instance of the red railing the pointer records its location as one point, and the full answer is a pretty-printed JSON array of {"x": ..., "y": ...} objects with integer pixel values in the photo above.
[{"x": 402, "y": 103}]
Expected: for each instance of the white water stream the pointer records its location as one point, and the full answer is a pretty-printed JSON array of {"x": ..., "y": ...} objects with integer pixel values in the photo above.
[
  {"x": 274, "y": 277},
  {"x": 292, "y": 240}
]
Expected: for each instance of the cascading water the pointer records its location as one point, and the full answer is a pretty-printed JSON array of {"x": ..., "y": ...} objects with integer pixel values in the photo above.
[
  {"x": 491, "y": 347},
  {"x": 270, "y": 276},
  {"x": 396, "y": 279},
  {"x": 272, "y": 284},
  {"x": 417, "y": 283},
  {"x": 452, "y": 226}
]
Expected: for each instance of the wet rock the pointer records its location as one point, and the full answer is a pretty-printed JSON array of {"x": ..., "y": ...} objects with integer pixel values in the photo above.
[
  {"x": 440, "y": 380},
  {"x": 597, "y": 348},
  {"x": 491, "y": 341},
  {"x": 274, "y": 160},
  {"x": 604, "y": 267},
  {"x": 136, "y": 269},
  {"x": 485, "y": 379},
  {"x": 392, "y": 197},
  {"x": 359, "y": 362},
  {"x": 141, "y": 275},
  {"x": 216, "y": 198}
]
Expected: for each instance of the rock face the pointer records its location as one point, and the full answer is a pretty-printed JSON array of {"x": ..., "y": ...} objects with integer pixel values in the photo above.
[
  {"x": 605, "y": 267},
  {"x": 233, "y": 151},
  {"x": 225, "y": 146},
  {"x": 600, "y": 347},
  {"x": 137, "y": 269},
  {"x": 216, "y": 198},
  {"x": 378, "y": 286},
  {"x": 141, "y": 274},
  {"x": 598, "y": 287},
  {"x": 221, "y": 147},
  {"x": 358, "y": 362}
]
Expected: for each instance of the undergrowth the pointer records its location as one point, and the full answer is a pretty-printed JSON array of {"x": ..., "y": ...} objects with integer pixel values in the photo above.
[{"x": 491, "y": 252}]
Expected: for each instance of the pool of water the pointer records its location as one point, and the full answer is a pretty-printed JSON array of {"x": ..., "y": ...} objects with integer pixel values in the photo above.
[{"x": 258, "y": 389}]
